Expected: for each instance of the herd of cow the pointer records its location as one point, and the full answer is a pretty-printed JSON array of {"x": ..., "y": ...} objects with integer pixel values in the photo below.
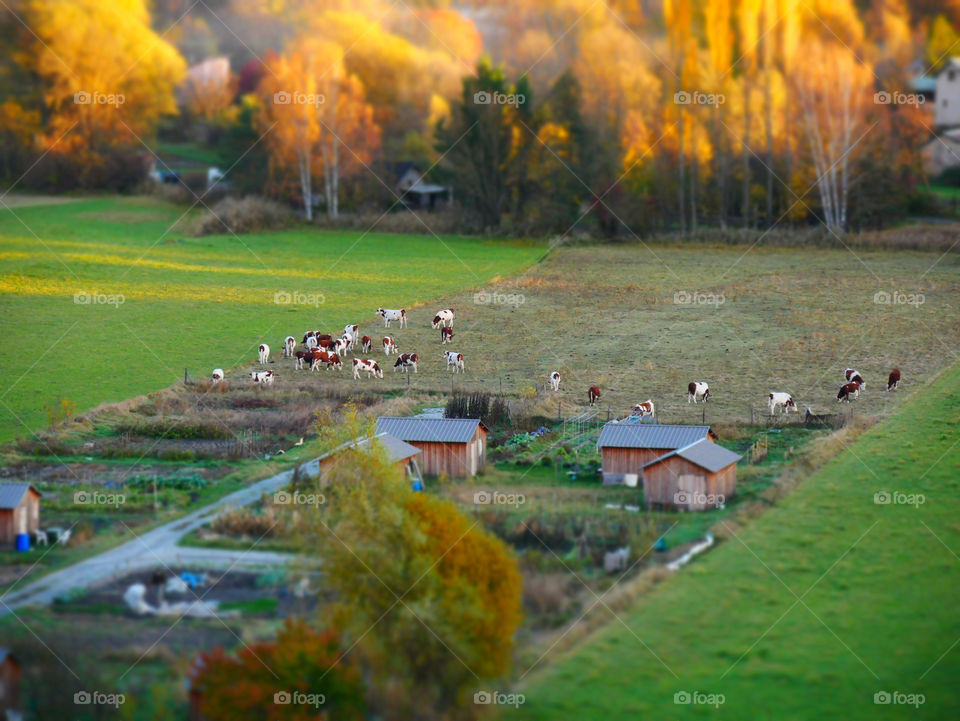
[
  {"x": 326, "y": 351},
  {"x": 699, "y": 391},
  {"x": 323, "y": 350}
]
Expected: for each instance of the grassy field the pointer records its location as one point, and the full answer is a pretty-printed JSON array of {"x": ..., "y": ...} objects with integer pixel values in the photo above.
[
  {"x": 190, "y": 302},
  {"x": 821, "y": 603}
]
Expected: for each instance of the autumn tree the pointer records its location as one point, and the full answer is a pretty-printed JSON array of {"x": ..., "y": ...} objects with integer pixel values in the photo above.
[
  {"x": 107, "y": 76},
  {"x": 431, "y": 600},
  {"x": 303, "y": 674}
]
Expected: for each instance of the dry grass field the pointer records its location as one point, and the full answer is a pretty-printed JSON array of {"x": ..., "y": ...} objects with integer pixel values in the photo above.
[{"x": 642, "y": 322}]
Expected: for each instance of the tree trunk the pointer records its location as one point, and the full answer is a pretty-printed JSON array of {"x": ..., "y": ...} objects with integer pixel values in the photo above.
[
  {"x": 746, "y": 151},
  {"x": 681, "y": 160}
]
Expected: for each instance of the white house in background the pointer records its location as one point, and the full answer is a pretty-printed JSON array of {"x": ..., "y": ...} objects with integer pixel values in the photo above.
[
  {"x": 947, "y": 95},
  {"x": 942, "y": 152}
]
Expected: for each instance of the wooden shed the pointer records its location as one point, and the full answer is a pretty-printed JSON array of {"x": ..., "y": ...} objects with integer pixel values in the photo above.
[
  {"x": 626, "y": 447},
  {"x": 696, "y": 477},
  {"x": 9, "y": 685},
  {"x": 399, "y": 452},
  {"x": 456, "y": 447},
  {"x": 19, "y": 511}
]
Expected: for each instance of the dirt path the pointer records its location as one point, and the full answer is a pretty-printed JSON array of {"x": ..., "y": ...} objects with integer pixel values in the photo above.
[
  {"x": 23, "y": 201},
  {"x": 155, "y": 547}
]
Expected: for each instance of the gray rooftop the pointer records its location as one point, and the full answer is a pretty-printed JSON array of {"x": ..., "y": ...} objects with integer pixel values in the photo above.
[
  {"x": 397, "y": 450},
  {"x": 642, "y": 435},
  {"x": 704, "y": 453},
  {"x": 429, "y": 430},
  {"x": 11, "y": 494}
]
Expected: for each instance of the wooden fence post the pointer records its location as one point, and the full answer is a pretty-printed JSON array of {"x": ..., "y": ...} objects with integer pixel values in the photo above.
[{"x": 185, "y": 376}]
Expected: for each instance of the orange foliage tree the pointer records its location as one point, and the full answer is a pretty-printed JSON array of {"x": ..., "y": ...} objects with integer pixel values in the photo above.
[{"x": 301, "y": 675}]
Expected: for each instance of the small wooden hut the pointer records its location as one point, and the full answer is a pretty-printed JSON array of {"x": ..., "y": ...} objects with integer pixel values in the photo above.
[
  {"x": 696, "y": 477},
  {"x": 456, "y": 447},
  {"x": 19, "y": 511}
]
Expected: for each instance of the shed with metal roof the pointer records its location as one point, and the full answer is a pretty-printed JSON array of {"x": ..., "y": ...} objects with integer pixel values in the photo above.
[
  {"x": 697, "y": 477},
  {"x": 627, "y": 447},
  {"x": 19, "y": 511},
  {"x": 399, "y": 452},
  {"x": 456, "y": 447}
]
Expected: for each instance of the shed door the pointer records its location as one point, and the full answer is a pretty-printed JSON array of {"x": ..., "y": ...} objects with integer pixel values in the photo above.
[{"x": 695, "y": 488}]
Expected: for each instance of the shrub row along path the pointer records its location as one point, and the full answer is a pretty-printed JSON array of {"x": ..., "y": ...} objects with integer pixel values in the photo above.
[{"x": 157, "y": 547}]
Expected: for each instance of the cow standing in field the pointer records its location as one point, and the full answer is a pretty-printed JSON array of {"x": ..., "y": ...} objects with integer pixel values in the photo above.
[
  {"x": 893, "y": 382},
  {"x": 555, "y": 381},
  {"x": 289, "y": 345},
  {"x": 446, "y": 335},
  {"x": 406, "y": 361},
  {"x": 388, "y": 345},
  {"x": 303, "y": 357},
  {"x": 390, "y": 315},
  {"x": 264, "y": 354},
  {"x": 366, "y": 343},
  {"x": 781, "y": 400},
  {"x": 369, "y": 367},
  {"x": 698, "y": 391},
  {"x": 217, "y": 375},
  {"x": 852, "y": 376},
  {"x": 326, "y": 359},
  {"x": 644, "y": 409},
  {"x": 263, "y": 378},
  {"x": 454, "y": 360},
  {"x": 593, "y": 394},
  {"x": 443, "y": 318},
  {"x": 340, "y": 346},
  {"x": 849, "y": 392}
]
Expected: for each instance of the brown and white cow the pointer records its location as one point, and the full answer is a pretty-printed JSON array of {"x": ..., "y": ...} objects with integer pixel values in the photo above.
[
  {"x": 555, "y": 381},
  {"x": 781, "y": 400},
  {"x": 304, "y": 357},
  {"x": 388, "y": 345},
  {"x": 644, "y": 409},
  {"x": 698, "y": 391},
  {"x": 388, "y": 315},
  {"x": 893, "y": 382},
  {"x": 289, "y": 345},
  {"x": 264, "y": 353},
  {"x": 264, "y": 378},
  {"x": 446, "y": 335},
  {"x": 852, "y": 376},
  {"x": 406, "y": 361},
  {"x": 454, "y": 361},
  {"x": 367, "y": 366},
  {"x": 593, "y": 394},
  {"x": 327, "y": 359},
  {"x": 341, "y": 345},
  {"x": 849, "y": 392},
  {"x": 443, "y": 318},
  {"x": 366, "y": 343},
  {"x": 217, "y": 375}
]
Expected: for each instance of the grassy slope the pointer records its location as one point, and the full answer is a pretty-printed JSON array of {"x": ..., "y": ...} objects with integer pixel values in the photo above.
[
  {"x": 887, "y": 607},
  {"x": 194, "y": 302}
]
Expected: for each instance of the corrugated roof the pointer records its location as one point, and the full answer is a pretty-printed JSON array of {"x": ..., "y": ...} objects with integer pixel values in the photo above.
[
  {"x": 397, "y": 450},
  {"x": 641, "y": 435},
  {"x": 704, "y": 453},
  {"x": 12, "y": 493},
  {"x": 436, "y": 430}
]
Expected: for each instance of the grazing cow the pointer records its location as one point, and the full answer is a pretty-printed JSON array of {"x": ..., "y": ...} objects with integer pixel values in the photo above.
[
  {"x": 454, "y": 360},
  {"x": 405, "y": 361},
  {"x": 852, "y": 376},
  {"x": 352, "y": 332},
  {"x": 644, "y": 409},
  {"x": 311, "y": 342},
  {"x": 848, "y": 392},
  {"x": 366, "y": 343},
  {"x": 289, "y": 345},
  {"x": 303, "y": 356},
  {"x": 264, "y": 353},
  {"x": 555, "y": 381},
  {"x": 893, "y": 382},
  {"x": 446, "y": 335},
  {"x": 593, "y": 394},
  {"x": 327, "y": 359},
  {"x": 325, "y": 343},
  {"x": 388, "y": 345},
  {"x": 264, "y": 378},
  {"x": 217, "y": 375},
  {"x": 443, "y": 318},
  {"x": 340, "y": 345},
  {"x": 389, "y": 315},
  {"x": 781, "y": 400},
  {"x": 369, "y": 366},
  {"x": 698, "y": 391}
]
